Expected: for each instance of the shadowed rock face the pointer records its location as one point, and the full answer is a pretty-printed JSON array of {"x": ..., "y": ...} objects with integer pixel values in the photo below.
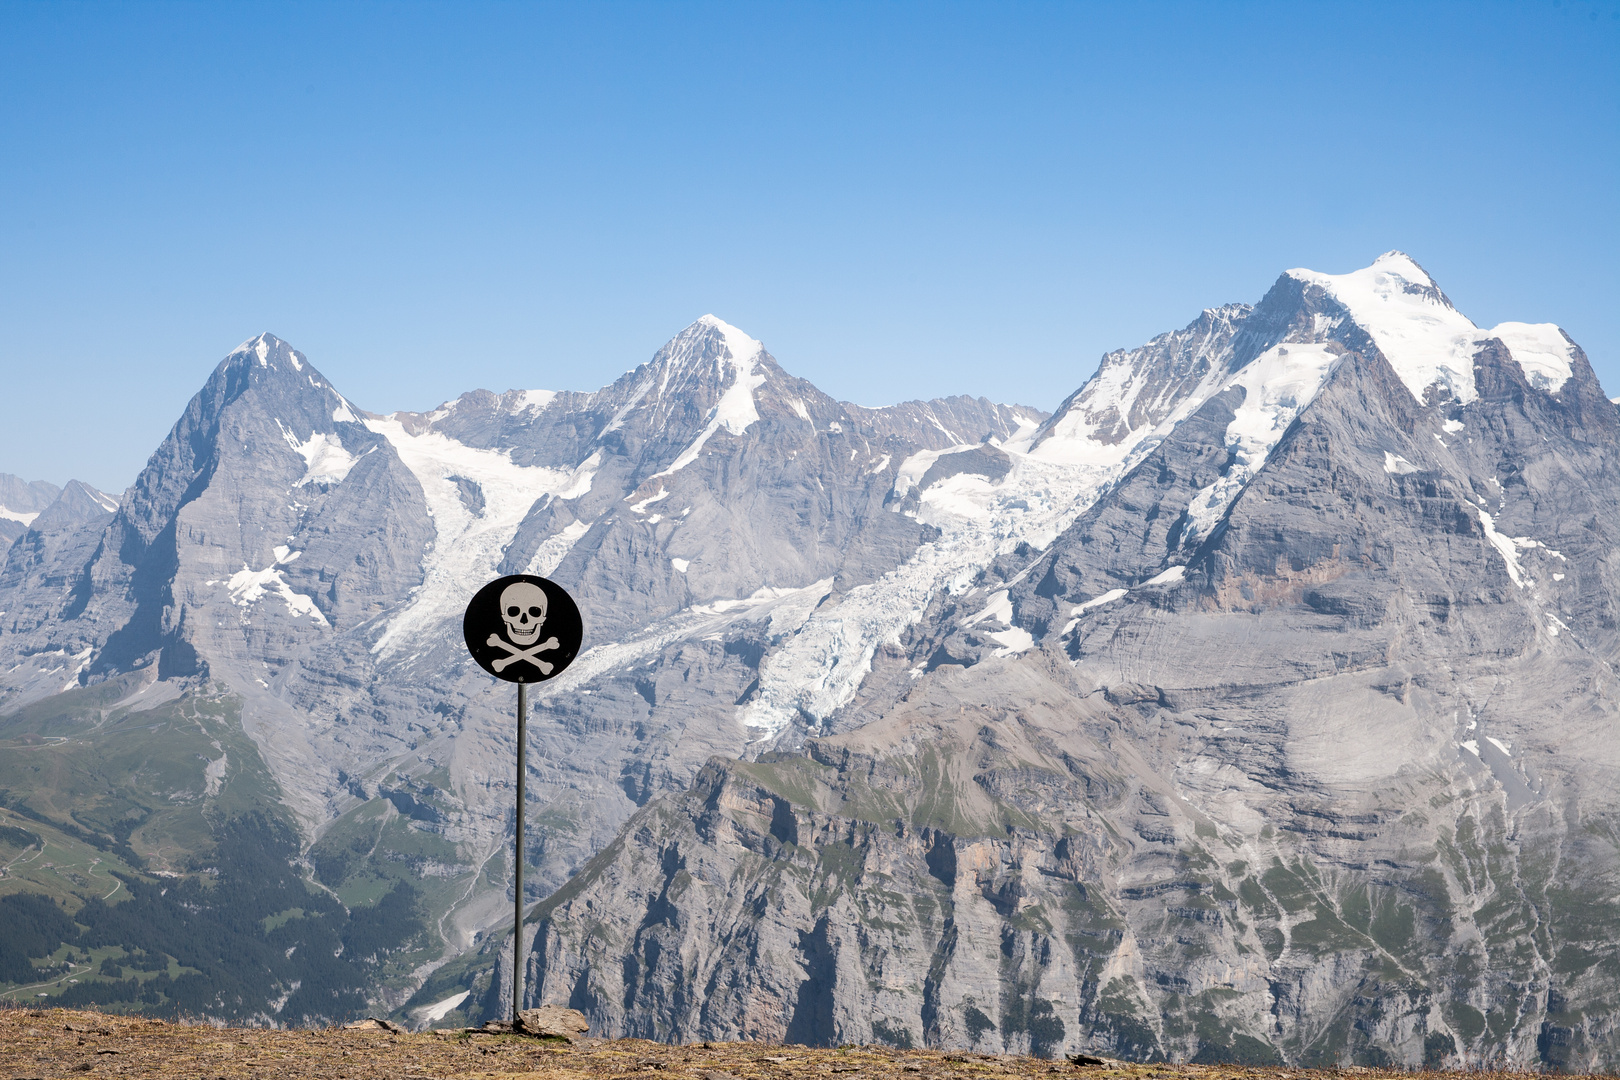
[{"x": 1329, "y": 777}]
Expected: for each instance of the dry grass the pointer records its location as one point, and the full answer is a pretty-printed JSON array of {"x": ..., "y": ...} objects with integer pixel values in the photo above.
[{"x": 64, "y": 1043}]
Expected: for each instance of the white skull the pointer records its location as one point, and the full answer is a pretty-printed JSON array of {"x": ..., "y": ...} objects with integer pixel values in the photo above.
[{"x": 523, "y": 609}]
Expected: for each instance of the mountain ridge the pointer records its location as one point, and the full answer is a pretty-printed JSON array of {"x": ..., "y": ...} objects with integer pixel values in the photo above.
[
  {"x": 949, "y": 723},
  {"x": 301, "y": 557},
  {"x": 1194, "y": 893}
]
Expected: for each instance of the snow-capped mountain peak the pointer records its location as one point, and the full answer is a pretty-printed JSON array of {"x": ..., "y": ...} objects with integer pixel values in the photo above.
[
  {"x": 1426, "y": 340},
  {"x": 1390, "y": 273},
  {"x": 737, "y": 409},
  {"x": 1430, "y": 344},
  {"x": 742, "y": 348},
  {"x": 1138, "y": 391},
  {"x": 703, "y": 379},
  {"x": 266, "y": 349},
  {"x": 708, "y": 344}
]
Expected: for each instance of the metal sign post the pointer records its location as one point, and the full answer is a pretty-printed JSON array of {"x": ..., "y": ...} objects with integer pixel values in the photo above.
[
  {"x": 517, "y": 861},
  {"x": 503, "y": 627}
]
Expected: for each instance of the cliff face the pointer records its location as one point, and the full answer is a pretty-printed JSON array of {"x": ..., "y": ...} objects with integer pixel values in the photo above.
[{"x": 1297, "y": 744}]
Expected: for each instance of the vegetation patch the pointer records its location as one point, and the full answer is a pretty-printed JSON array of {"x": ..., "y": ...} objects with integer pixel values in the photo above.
[{"x": 224, "y": 943}]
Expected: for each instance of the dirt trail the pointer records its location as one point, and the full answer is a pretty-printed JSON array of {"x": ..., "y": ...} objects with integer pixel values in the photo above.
[{"x": 66, "y": 1043}]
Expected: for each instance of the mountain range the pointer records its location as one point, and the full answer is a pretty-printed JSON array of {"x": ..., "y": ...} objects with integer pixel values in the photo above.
[{"x": 1256, "y": 704}]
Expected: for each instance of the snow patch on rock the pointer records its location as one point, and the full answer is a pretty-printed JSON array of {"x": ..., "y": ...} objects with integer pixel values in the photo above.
[
  {"x": 1013, "y": 640},
  {"x": 535, "y": 400},
  {"x": 1277, "y": 384},
  {"x": 325, "y": 459},
  {"x": 999, "y": 608},
  {"x": 1095, "y": 602},
  {"x": 432, "y": 1014},
  {"x": 1542, "y": 350},
  {"x": 1098, "y": 601},
  {"x": 247, "y": 587},
  {"x": 1507, "y": 547},
  {"x": 553, "y": 549},
  {"x": 1396, "y": 465},
  {"x": 214, "y": 771}
]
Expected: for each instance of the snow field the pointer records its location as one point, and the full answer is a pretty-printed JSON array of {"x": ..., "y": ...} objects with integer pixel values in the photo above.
[
  {"x": 1542, "y": 350},
  {"x": 1424, "y": 338},
  {"x": 467, "y": 548},
  {"x": 1430, "y": 342}
]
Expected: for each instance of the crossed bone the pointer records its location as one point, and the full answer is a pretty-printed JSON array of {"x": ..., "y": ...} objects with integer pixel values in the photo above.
[{"x": 514, "y": 654}]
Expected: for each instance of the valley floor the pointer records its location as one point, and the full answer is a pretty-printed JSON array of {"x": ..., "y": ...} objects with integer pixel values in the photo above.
[{"x": 65, "y": 1043}]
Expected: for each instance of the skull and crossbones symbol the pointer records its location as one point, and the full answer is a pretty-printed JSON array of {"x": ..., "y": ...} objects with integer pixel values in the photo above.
[{"x": 523, "y": 610}]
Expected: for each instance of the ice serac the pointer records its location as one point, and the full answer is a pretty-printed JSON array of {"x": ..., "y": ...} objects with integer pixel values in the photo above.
[{"x": 1295, "y": 743}]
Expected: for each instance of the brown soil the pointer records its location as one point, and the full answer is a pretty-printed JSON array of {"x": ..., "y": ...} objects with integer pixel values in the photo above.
[{"x": 65, "y": 1043}]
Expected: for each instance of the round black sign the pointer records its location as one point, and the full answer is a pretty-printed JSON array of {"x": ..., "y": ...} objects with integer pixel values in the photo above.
[{"x": 522, "y": 628}]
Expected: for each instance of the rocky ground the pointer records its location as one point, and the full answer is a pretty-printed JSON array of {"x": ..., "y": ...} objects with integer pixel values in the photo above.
[{"x": 60, "y": 1042}]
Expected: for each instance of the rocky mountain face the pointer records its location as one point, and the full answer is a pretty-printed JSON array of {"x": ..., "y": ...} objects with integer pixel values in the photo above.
[
  {"x": 1255, "y": 705},
  {"x": 1296, "y": 744},
  {"x": 23, "y": 502},
  {"x": 298, "y": 567}
]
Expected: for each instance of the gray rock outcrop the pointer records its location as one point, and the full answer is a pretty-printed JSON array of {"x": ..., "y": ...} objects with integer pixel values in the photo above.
[
  {"x": 20, "y": 503},
  {"x": 1309, "y": 755}
]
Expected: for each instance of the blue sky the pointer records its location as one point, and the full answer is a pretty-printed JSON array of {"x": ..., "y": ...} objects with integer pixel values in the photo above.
[{"x": 901, "y": 200}]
